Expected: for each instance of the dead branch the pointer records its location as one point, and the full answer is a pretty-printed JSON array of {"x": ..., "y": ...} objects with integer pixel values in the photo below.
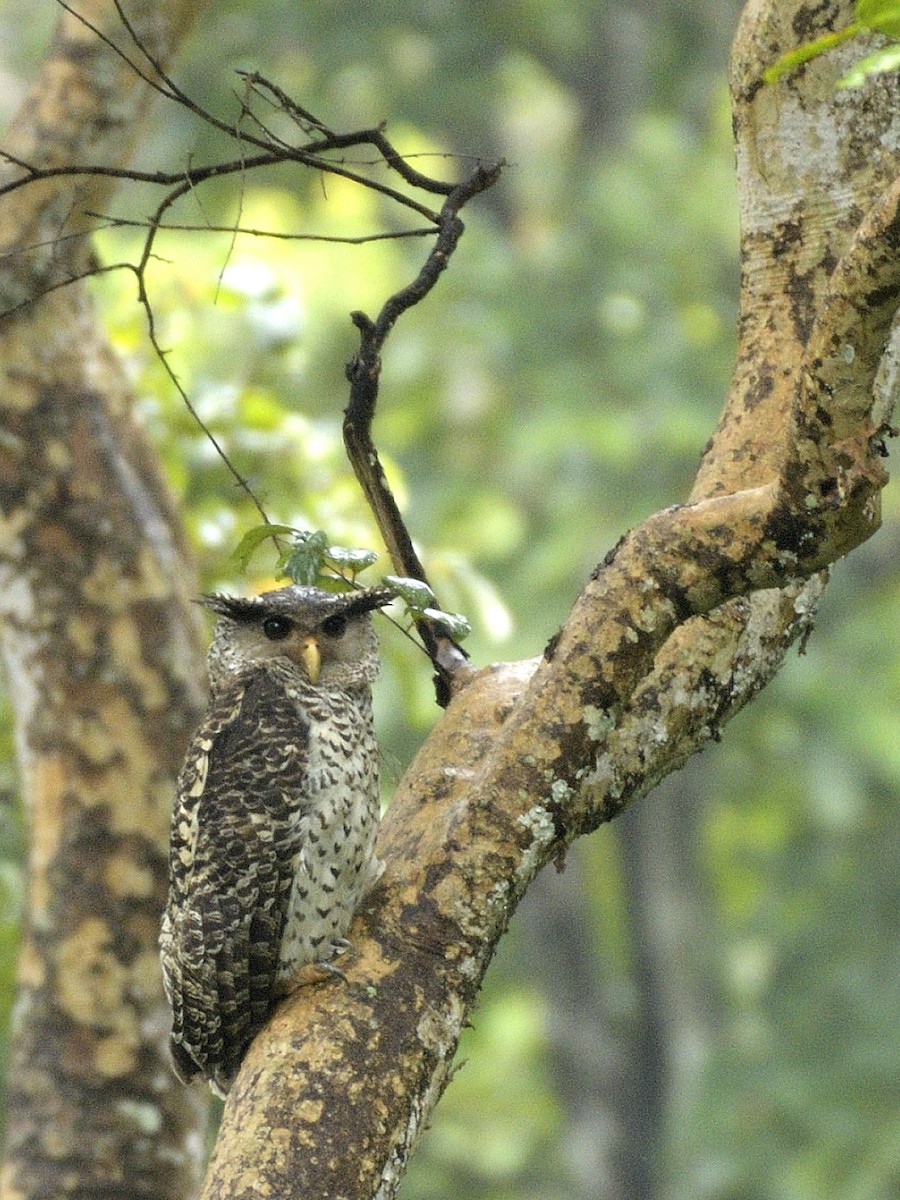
[{"x": 363, "y": 372}]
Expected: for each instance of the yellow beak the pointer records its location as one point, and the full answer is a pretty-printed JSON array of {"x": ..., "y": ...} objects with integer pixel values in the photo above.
[{"x": 311, "y": 658}]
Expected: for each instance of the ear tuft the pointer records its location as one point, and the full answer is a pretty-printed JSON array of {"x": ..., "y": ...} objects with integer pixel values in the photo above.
[
  {"x": 357, "y": 603},
  {"x": 237, "y": 608}
]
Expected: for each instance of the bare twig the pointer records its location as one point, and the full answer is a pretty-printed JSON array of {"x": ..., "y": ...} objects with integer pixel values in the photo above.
[
  {"x": 363, "y": 373},
  {"x": 112, "y": 222}
]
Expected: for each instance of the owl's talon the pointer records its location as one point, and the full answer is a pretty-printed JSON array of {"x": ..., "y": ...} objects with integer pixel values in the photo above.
[
  {"x": 314, "y": 972},
  {"x": 339, "y": 945},
  {"x": 330, "y": 969}
]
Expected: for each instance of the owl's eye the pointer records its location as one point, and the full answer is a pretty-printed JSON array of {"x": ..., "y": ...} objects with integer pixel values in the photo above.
[
  {"x": 335, "y": 626},
  {"x": 276, "y": 628}
]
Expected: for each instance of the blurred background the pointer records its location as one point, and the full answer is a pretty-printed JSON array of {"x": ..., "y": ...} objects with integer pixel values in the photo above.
[{"x": 705, "y": 1003}]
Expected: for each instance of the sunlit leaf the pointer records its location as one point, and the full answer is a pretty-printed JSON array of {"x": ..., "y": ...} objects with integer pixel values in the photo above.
[
  {"x": 809, "y": 50},
  {"x": 413, "y": 592},
  {"x": 253, "y": 539},
  {"x": 346, "y": 559},
  {"x": 454, "y": 625},
  {"x": 886, "y": 59},
  {"x": 880, "y": 15}
]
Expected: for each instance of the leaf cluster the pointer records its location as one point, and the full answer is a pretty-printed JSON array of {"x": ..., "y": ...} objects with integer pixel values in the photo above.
[{"x": 307, "y": 558}]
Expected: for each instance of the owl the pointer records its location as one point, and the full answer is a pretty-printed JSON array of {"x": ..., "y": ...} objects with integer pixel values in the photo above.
[{"x": 276, "y": 812}]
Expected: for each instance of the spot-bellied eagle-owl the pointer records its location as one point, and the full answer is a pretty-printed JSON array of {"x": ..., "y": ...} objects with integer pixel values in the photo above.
[{"x": 276, "y": 812}]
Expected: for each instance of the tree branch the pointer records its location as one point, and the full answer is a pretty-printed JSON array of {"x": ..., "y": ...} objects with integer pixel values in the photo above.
[
  {"x": 670, "y": 638},
  {"x": 363, "y": 372},
  {"x": 319, "y": 143}
]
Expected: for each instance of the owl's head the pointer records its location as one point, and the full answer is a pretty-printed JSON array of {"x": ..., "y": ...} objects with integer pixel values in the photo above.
[{"x": 328, "y": 637}]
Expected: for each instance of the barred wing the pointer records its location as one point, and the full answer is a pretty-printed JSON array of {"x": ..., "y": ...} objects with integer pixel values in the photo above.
[{"x": 236, "y": 833}]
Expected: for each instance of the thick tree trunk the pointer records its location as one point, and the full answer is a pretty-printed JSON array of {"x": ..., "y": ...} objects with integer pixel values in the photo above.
[{"x": 103, "y": 661}]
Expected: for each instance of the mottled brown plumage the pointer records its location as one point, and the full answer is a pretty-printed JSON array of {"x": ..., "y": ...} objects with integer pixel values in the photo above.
[{"x": 275, "y": 818}]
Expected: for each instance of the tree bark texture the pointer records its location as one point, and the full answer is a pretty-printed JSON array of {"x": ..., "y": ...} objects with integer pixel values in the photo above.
[
  {"x": 683, "y": 622},
  {"x": 103, "y": 660}
]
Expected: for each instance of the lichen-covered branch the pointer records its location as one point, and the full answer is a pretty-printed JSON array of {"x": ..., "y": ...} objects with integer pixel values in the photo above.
[{"x": 682, "y": 624}]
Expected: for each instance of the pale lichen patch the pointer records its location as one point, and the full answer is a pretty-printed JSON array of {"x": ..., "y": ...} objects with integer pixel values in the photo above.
[
  {"x": 599, "y": 722},
  {"x": 92, "y": 981},
  {"x": 128, "y": 656},
  {"x": 647, "y": 619},
  {"x": 45, "y": 776},
  {"x": 309, "y": 1111},
  {"x": 116, "y": 1055},
  {"x": 12, "y": 526},
  {"x": 145, "y": 977},
  {"x": 603, "y": 775},
  {"x": 540, "y": 824},
  {"x": 560, "y": 791},
  {"x": 57, "y": 455},
  {"x": 82, "y": 636},
  {"x": 406, "y": 1134},
  {"x": 59, "y": 1142},
  {"x": 472, "y": 920},
  {"x": 105, "y": 586},
  {"x": 438, "y": 1031}
]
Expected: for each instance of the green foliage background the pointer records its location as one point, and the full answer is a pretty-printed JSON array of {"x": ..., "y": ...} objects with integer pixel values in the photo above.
[{"x": 558, "y": 386}]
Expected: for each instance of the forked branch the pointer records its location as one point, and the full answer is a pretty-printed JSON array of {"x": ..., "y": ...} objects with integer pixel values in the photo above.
[{"x": 363, "y": 372}]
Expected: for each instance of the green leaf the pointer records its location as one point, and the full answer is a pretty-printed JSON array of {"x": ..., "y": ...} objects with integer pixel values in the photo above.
[
  {"x": 454, "y": 625},
  {"x": 887, "y": 59},
  {"x": 413, "y": 592},
  {"x": 881, "y": 15},
  {"x": 336, "y": 584},
  {"x": 354, "y": 561},
  {"x": 253, "y": 539},
  {"x": 809, "y": 50},
  {"x": 305, "y": 562},
  {"x": 418, "y": 598}
]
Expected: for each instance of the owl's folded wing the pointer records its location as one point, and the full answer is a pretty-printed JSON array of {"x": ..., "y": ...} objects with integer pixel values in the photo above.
[{"x": 235, "y": 841}]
